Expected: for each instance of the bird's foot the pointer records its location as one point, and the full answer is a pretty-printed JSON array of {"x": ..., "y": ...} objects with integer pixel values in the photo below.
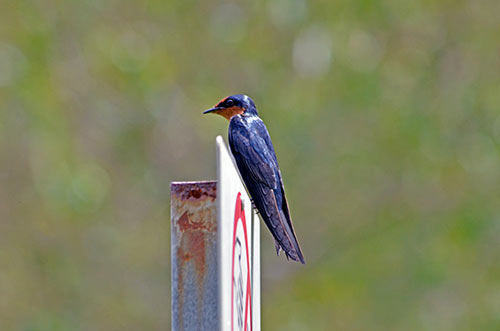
[
  {"x": 255, "y": 208},
  {"x": 253, "y": 205}
]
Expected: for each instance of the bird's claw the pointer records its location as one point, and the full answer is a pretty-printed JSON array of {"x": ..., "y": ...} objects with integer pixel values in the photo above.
[{"x": 254, "y": 206}]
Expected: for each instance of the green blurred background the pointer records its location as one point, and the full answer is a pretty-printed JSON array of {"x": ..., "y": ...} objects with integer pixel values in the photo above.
[{"x": 385, "y": 116}]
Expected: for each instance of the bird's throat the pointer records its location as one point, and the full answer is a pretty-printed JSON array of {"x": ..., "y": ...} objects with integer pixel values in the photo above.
[{"x": 228, "y": 113}]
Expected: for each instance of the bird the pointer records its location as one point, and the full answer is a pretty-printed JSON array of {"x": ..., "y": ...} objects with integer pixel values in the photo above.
[{"x": 253, "y": 151}]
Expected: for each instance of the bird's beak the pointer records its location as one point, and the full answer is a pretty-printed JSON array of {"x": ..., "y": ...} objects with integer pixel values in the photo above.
[{"x": 212, "y": 110}]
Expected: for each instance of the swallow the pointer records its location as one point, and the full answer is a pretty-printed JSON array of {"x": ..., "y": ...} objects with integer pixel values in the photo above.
[{"x": 256, "y": 160}]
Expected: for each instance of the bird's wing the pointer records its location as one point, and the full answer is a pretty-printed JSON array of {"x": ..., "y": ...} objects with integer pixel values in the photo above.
[
  {"x": 255, "y": 158},
  {"x": 259, "y": 169},
  {"x": 263, "y": 133}
]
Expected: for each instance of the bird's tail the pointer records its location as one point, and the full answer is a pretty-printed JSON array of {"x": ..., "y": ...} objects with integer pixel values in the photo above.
[{"x": 291, "y": 247}]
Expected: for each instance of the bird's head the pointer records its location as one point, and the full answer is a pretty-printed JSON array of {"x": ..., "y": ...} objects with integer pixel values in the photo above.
[{"x": 238, "y": 104}]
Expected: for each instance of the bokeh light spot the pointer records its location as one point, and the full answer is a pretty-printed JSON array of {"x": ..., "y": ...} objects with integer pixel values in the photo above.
[{"x": 312, "y": 52}]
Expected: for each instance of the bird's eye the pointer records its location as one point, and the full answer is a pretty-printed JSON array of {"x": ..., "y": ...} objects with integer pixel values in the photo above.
[{"x": 229, "y": 103}]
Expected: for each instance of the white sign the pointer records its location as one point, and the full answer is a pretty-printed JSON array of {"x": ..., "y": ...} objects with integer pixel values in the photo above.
[{"x": 239, "y": 249}]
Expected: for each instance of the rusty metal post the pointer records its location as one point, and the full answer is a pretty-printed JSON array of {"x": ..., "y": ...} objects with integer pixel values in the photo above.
[
  {"x": 194, "y": 255},
  {"x": 215, "y": 252}
]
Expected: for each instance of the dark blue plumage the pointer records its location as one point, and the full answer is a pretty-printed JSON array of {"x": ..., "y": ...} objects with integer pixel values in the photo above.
[{"x": 254, "y": 154}]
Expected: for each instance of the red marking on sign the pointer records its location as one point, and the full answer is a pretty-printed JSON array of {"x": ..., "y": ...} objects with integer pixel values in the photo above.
[{"x": 239, "y": 215}]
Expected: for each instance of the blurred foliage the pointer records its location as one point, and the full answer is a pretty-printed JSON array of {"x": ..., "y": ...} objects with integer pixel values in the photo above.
[{"x": 386, "y": 120}]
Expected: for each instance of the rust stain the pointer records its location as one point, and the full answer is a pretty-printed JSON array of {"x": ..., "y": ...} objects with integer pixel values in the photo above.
[
  {"x": 185, "y": 223},
  {"x": 192, "y": 192},
  {"x": 196, "y": 227},
  {"x": 192, "y": 247}
]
